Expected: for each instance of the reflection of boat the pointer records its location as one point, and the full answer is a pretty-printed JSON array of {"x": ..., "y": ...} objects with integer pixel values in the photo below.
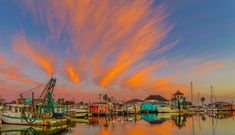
[
  {"x": 193, "y": 108},
  {"x": 28, "y": 111},
  {"x": 221, "y": 115},
  {"x": 155, "y": 118},
  {"x": 8, "y": 128},
  {"x": 79, "y": 120}
]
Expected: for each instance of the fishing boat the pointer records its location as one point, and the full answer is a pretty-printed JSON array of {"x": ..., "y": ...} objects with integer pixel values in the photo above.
[
  {"x": 27, "y": 112},
  {"x": 21, "y": 114}
]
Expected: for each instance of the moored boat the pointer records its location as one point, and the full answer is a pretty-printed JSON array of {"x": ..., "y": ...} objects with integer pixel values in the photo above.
[{"x": 27, "y": 112}]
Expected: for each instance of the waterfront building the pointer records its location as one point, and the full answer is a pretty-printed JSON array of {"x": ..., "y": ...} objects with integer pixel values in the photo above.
[
  {"x": 99, "y": 108},
  {"x": 133, "y": 106},
  {"x": 178, "y": 100},
  {"x": 156, "y": 103}
]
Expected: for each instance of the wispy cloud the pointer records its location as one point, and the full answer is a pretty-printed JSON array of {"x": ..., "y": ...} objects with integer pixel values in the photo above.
[
  {"x": 34, "y": 52},
  {"x": 210, "y": 66},
  {"x": 101, "y": 45},
  {"x": 106, "y": 36},
  {"x": 72, "y": 73}
]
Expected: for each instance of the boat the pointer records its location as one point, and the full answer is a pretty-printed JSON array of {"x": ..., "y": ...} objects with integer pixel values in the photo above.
[
  {"x": 19, "y": 114},
  {"x": 80, "y": 111},
  {"x": 80, "y": 120},
  {"x": 29, "y": 112},
  {"x": 219, "y": 106}
]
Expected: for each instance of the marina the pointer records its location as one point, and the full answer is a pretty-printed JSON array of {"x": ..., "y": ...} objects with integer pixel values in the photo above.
[
  {"x": 117, "y": 67},
  {"x": 144, "y": 124},
  {"x": 46, "y": 115}
]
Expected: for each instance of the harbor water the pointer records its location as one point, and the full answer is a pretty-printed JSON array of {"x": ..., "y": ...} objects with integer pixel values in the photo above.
[{"x": 146, "y": 124}]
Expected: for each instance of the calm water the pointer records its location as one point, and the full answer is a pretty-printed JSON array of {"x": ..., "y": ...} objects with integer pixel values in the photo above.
[{"x": 151, "y": 124}]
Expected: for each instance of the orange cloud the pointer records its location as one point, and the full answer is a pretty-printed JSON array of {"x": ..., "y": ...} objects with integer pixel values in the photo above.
[
  {"x": 209, "y": 66},
  {"x": 141, "y": 42},
  {"x": 142, "y": 77},
  {"x": 39, "y": 56},
  {"x": 72, "y": 74},
  {"x": 161, "y": 82},
  {"x": 106, "y": 38},
  {"x": 11, "y": 72}
]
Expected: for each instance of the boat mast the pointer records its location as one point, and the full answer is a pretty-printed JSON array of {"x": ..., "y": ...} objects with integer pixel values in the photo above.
[
  {"x": 191, "y": 87},
  {"x": 211, "y": 94},
  {"x": 198, "y": 98}
]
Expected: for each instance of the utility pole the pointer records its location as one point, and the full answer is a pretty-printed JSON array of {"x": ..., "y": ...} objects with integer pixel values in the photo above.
[{"x": 191, "y": 87}]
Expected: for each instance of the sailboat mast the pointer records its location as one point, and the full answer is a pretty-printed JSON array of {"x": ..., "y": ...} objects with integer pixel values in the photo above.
[
  {"x": 198, "y": 98},
  {"x": 191, "y": 87},
  {"x": 211, "y": 94}
]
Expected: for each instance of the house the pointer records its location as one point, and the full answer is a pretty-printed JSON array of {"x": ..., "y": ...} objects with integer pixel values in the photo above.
[
  {"x": 178, "y": 100},
  {"x": 156, "y": 103},
  {"x": 148, "y": 107},
  {"x": 99, "y": 108},
  {"x": 117, "y": 108},
  {"x": 133, "y": 106}
]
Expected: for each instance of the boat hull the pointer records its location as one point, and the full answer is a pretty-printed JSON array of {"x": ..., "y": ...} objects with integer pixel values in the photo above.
[{"x": 35, "y": 121}]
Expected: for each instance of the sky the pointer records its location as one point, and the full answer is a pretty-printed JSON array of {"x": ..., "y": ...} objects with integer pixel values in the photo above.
[{"x": 126, "y": 49}]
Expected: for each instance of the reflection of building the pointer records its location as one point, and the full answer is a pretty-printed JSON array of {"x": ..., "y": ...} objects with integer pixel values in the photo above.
[
  {"x": 178, "y": 100},
  {"x": 133, "y": 106},
  {"x": 153, "y": 118},
  {"x": 180, "y": 121}
]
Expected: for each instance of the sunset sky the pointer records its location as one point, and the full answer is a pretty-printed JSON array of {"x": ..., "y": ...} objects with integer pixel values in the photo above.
[{"x": 125, "y": 48}]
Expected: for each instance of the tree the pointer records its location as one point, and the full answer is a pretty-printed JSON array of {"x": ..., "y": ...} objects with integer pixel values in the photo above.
[
  {"x": 105, "y": 97},
  {"x": 203, "y": 99}
]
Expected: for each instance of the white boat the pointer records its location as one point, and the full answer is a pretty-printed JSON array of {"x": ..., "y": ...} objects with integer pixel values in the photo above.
[
  {"x": 79, "y": 110},
  {"x": 29, "y": 112},
  {"x": 14, "y": 114},
  {"x": 165, "y": 107}
]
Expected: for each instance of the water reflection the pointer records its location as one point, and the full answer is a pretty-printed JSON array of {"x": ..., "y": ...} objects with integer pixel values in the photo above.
[{"x": 145, "y": 124}]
